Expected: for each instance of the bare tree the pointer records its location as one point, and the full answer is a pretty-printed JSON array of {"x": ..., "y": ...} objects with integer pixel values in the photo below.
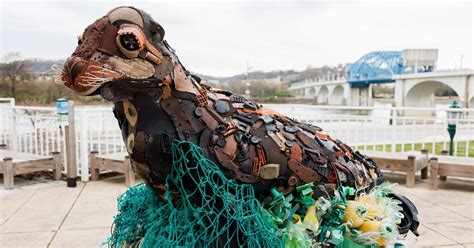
[{"x": 13, "y": 70}]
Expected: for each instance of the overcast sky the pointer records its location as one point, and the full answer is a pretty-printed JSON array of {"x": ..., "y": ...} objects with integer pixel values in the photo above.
[{"x": 219, "y": 37}]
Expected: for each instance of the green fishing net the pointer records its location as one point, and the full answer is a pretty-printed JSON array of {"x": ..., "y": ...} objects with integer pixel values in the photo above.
[{"x": 201, "y": 208}]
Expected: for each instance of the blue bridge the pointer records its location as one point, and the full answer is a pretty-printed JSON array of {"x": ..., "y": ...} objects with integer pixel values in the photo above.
[
  {"x": 412, "y": 72},
  {"x": 380, "y": 67},
  {"x": 375, "y": 67}
]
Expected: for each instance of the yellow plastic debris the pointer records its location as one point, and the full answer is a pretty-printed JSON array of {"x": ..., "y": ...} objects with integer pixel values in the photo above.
[{"x": 310, "y": 218}]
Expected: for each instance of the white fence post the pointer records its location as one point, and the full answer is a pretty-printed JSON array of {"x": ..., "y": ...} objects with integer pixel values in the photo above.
[
  {"x": 84, "y": 153},
  {"x": 13, "y": 132},
  {"x": 71, "y": 147}
]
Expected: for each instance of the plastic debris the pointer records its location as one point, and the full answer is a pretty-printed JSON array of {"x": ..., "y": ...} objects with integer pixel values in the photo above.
[{"x": 310, "y": 219}]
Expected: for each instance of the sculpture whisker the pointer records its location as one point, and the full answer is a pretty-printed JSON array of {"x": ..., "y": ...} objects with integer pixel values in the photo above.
[{"x": 58, "y": 73}]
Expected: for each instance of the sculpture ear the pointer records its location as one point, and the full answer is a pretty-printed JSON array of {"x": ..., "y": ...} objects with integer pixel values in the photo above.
[
  {"x": 126, "y": 13},
  {"x": 157, "y": 31}
]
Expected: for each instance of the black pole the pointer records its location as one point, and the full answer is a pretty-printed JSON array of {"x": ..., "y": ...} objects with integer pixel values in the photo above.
[{"x": 451, "y": 147}]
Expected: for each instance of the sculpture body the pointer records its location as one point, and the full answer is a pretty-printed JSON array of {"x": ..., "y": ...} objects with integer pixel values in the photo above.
[
  {"x": 124, "y": 58},
  {"x": 157, "y": 101}
]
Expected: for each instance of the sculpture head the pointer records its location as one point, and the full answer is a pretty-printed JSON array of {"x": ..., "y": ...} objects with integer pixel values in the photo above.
[{"x": 124, "y": 45}]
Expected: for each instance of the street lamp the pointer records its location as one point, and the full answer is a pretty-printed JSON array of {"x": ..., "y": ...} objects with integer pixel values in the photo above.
[{"x": 453, "y": 116}]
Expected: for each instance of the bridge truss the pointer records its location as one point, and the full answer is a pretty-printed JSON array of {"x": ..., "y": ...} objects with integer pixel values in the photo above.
[{"x": 375, "y": 67}]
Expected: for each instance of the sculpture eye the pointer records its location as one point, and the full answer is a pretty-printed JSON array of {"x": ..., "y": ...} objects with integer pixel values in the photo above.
[{"x": 130, "y": 40}]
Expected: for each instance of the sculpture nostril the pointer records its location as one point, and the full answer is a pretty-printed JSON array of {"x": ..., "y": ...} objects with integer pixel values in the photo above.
[{"x": 74, "y": 66}]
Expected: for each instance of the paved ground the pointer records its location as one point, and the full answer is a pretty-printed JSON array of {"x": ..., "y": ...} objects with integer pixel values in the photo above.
[{"x": 48, "y": 214}]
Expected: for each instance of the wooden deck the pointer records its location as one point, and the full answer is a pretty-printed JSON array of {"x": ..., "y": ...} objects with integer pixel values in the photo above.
[{"x": 16, "y": 163}]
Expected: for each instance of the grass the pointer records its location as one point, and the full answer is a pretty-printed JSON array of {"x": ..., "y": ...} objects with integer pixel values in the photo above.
[{"x": 461, "y": 147}]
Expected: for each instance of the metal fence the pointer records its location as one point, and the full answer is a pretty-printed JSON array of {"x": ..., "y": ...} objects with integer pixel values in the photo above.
[{"x": 391, "y": 129}]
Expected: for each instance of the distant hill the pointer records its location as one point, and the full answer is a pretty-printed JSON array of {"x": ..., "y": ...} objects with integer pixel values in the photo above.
[
  {"x": 285, "y": 76},
  {"x": 288, "y": 76},
  {"x": 40, "y": 66}
]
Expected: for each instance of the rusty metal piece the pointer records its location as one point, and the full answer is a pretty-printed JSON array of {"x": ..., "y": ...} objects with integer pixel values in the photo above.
[
  {"x": 84, "y": 77},
  {"x": 130, "y": 112},
  {"x": 166, "y": 92},
  {"x": 321, "y": 135},
  {"x": 128, "y": 35},
  {"x": 125, "y": 13},
  {"x": 259, "y": 160},
  {"x": 202, "y": 98},
  {"x": 277, "y": 139},
  {"x": 292, "y": 181},
  {"x": 228, "y": 164},
  {"x": 306, "y": 140},
  {"x": 231, "y": 146},
  {"x": 306, "y": 174},
  {"x": 296, "y": 152},
  {"x": 130, "y": 143},
  {"x": 182, "y": 82},
  {"x": 132, "y": 68},
  {"x": 152, "y": 49},
  {"x": 173, "y": 107},
  {"x": 256, "y": 164},
  {"x": 221, "y": 106},
  {"x": 270, "y": 171},
  {"x": 153, "y": 58}
]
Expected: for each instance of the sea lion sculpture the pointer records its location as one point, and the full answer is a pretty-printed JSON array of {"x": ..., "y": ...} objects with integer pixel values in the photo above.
[{"x": 124, "y": 58}]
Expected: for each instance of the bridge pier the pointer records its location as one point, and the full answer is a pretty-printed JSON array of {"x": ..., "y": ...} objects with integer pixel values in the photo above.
[{"x": 361, "y": 95}]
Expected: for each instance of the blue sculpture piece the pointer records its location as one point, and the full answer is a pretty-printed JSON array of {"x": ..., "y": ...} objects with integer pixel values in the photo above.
[{"x": 375, "y": 67}]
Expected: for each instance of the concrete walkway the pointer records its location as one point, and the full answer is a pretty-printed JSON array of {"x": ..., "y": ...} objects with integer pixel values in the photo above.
[{"x": 48, "y": 214}]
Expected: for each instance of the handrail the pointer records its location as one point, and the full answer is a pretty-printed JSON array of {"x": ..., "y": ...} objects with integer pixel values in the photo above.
[
  {"x": 29, "y": 108},
  {"x": 370, "y": 107},
  {"x": 294, "y": 106}
]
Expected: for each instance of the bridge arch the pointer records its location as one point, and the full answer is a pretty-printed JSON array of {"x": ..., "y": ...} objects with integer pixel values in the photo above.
[
  {"x": 422, "y": 93},
  {"x": 323, "y": 95},
  {"x": 312, "y": 92},
  {"x": 300, "y": 93},
  {"x": 337, "y": 95},
  {"x": 471, "y": 102}
]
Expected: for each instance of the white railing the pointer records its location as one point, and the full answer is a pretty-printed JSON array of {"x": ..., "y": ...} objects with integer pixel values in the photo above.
[
  {"x": 391, "y": 129},
  {"x": 36, "y": 130},
  {"x": 98, "y": 128},
  {"x": 30, "y": 129},
  {"x": 316, "y": 82}
]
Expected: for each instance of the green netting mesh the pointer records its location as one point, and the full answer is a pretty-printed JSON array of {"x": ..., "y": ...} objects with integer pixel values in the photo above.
[{"x": 201, "y": 208}]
